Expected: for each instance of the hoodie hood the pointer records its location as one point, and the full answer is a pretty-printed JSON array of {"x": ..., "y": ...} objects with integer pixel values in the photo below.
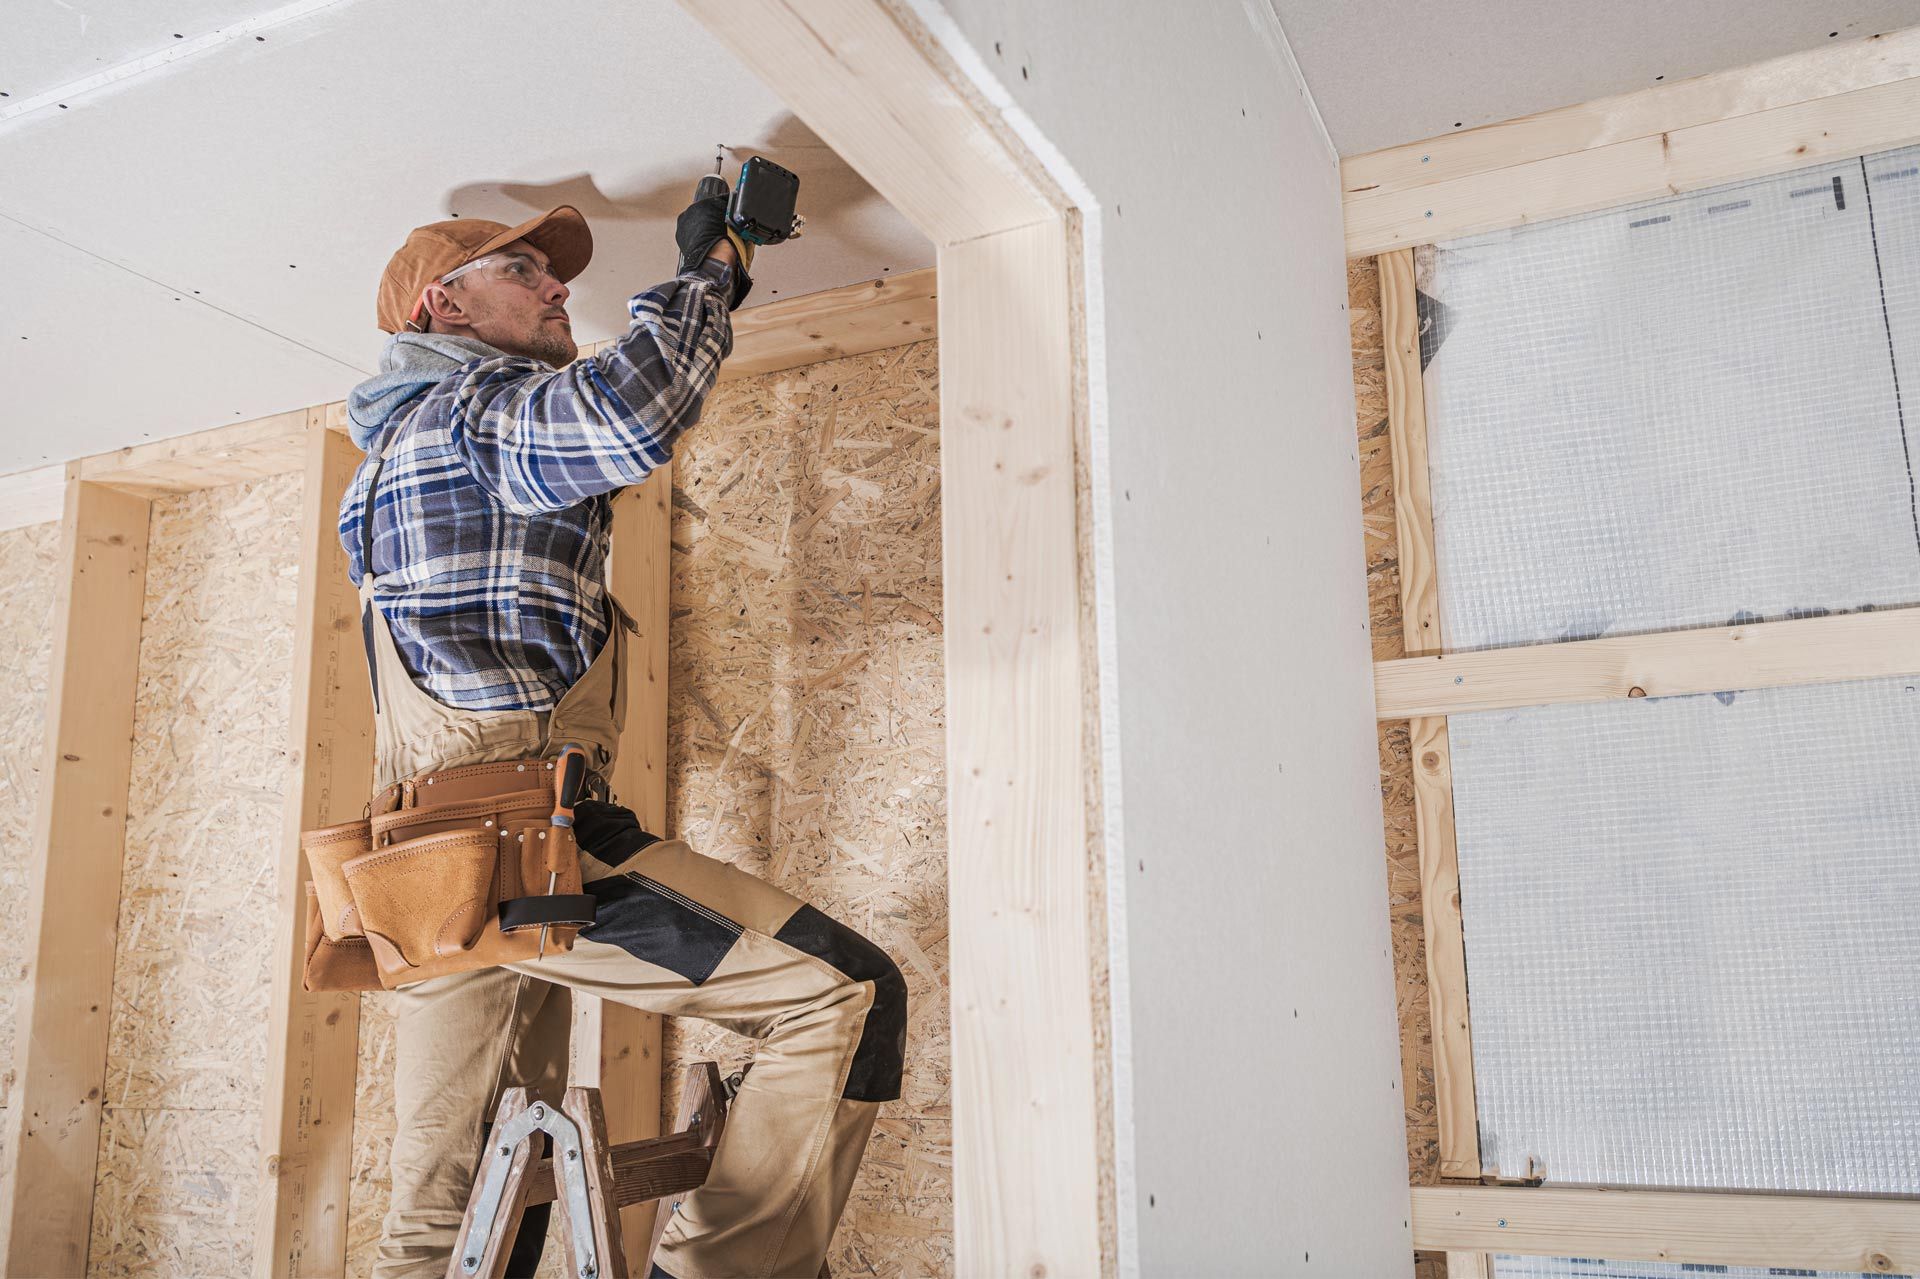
[{"x": 410, "y": 365}]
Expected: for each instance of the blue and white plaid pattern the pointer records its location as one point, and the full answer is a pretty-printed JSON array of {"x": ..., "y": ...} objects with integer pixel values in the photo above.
[{"x": 493, "y": 516}]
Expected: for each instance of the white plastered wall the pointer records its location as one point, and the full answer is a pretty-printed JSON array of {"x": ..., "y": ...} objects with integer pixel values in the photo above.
[{"x": 1259, "y": 1126}]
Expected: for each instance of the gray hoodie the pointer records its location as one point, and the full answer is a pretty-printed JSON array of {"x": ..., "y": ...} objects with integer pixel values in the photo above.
[{"x": 410, "y": 366}]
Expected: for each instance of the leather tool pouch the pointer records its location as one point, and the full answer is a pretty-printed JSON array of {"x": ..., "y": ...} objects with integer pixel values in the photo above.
[{"x": 455, "y": 870}]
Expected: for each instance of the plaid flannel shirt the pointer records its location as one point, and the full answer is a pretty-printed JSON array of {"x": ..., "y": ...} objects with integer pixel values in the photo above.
[{"x": 493, "y": 516}]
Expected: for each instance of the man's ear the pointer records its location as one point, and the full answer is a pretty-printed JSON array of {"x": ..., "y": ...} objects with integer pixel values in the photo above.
[{"x": 443, "y": 306}]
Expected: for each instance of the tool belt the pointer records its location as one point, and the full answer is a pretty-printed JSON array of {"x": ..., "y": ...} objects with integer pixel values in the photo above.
[{"x": 463, "y": 868}]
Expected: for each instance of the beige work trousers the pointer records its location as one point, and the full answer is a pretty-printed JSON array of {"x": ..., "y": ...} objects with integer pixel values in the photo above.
[{"x": 687, "y": 936}]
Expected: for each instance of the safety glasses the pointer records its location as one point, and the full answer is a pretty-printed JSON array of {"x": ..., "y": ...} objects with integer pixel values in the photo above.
[{"x": 517, "y": 267}]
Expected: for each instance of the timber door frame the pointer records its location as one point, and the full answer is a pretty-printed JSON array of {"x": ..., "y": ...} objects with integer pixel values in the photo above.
[{"x": 878, "y": 89}]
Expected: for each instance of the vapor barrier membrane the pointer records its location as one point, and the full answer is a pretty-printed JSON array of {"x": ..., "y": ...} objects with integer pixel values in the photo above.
[
  {"x": 1692, "y": 952},
  {"x": 1505, "y": 1267},
  {"x": 1686, "y": 413}
]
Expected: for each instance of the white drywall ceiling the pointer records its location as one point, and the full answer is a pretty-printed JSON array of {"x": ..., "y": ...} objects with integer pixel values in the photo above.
[
  {"x": 200, "y": 242},
  {"x": 1385, "y": 72}
]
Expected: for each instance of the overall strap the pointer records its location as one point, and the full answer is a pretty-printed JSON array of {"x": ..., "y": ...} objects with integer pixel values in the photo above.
[{"x": 367, "y": 619}]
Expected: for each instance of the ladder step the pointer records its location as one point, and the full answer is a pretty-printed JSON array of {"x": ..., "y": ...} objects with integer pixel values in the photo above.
[{"x": 642, "y": 1170}]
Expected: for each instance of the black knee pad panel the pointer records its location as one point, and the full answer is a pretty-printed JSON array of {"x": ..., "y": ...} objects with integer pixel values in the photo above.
[{"x": 881, "y": 1054}]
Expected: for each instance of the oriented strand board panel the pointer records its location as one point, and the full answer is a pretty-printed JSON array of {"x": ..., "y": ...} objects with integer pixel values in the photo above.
[
  {"x": 28, "y": 560},
  {"x": 808, "y": 718},
  {"x": 1396, "y": 755},
  {"x": 806, "y": 746},
  {"x": 174, "y": 1191}
]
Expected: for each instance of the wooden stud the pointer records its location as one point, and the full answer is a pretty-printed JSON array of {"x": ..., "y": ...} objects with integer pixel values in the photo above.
[
  {"x": 1872, "y": 1236},
  {"x": 73, "y": 907},
  {"x": 307, "y": 1106},
  {"x": 1756, "y": 144},
  {"x": 1432, "y": 762},
  {"x": 1026, "y": 1157},
  {"x": 1810, "y": 650},
  {"x": 627, "y": 1064},
  {"x": 1469, "y": 1265}
]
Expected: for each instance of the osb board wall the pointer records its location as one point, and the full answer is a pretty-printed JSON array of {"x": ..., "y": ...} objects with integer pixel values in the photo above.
[
  {"x": 175, "y": 1185},
  {"x": 806, "y": 739},
  {"x": 808, "y": 719},
  {"x": 28, "y": 559}
]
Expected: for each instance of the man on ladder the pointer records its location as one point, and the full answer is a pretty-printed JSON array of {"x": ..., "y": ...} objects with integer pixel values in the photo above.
[{"x": 494, "y": 644}]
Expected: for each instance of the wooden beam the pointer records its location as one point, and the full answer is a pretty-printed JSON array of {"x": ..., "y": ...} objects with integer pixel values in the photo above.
[
  {"x": 312, "y": 1040},
  {"x": 1874, "y": 1236},
  {"x": 32, "y": 497},
  {"x": 869, "y": 316},
  {"x": 1026, "y": 1156},
  {"x": 205, "y": 459},
  {"x": 1808, "y": 650},
  {"x": 1469, "y": 1265},
  {"x": 1752, "y": 145},
  {"x": 1839, "y": 67},
  {"x": 627, "y": 1064},
  {"x": 1432, "y": 761},
  {"x": 65, "y": 994},
  {"x": 872, "y": 92}
]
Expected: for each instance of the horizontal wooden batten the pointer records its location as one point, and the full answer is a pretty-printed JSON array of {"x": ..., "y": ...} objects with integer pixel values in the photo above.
[
  {"x": 856, "y": 319},
  {"x": 1839, "y": 67},
  {"x": 1752, "y": 145},
  {"x": 1762, "y": 655},
  {"x": 1874, "y": 1236}
]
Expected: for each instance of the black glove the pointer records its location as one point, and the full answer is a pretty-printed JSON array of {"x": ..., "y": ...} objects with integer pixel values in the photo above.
[{"x": 701, "y": 226}]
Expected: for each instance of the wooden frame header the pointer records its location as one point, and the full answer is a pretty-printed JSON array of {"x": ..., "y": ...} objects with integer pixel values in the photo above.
[{"x": 1848, "y": 99}]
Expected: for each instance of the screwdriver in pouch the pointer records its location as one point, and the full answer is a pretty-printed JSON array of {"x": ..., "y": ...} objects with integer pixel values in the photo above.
[{"x": 569, "y": 775}]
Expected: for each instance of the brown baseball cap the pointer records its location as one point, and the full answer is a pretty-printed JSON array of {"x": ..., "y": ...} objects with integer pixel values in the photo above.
[{"x": 438, "y": 247}]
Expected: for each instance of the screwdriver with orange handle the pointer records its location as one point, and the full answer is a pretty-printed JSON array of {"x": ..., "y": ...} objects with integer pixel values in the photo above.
[{"x": 569, "y": 776}]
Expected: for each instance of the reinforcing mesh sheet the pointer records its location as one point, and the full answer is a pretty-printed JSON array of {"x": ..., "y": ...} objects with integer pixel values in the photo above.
[
  {"x": 1693, "y": 412},
  {"x": 1593, "y": 1268},
  {"x": 1692, "y": 950}
]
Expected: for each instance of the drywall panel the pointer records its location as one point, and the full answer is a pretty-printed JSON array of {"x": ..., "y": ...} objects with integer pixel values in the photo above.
[
  {"x": 1264, "y": 1132},
  {"x": 52, "y": 43},
  {"x": 93, "y": 358},
  {"x": 807, "y": 740},
  {"x": 267, "y": 181},
  {"x": 1386, "y": 73},
  {"x": 1689, "y": 939},
  {"x": 175, "y": 1187}
]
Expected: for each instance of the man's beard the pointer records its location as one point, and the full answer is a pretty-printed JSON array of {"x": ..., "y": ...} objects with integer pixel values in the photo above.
[{"x": 556, "y": 347}]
